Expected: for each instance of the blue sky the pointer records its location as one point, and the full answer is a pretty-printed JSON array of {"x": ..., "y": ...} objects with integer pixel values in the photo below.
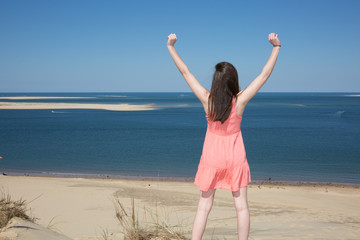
[{"x": 120, "y": 46}]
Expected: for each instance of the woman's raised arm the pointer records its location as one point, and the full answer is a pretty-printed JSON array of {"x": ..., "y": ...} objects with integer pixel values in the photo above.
[
  {"x": 250, "y": 91},
  {"x": 201, "y": 93}
]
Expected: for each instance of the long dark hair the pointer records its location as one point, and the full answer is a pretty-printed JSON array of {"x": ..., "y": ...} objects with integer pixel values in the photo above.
[{"x": 225, "y": 86}]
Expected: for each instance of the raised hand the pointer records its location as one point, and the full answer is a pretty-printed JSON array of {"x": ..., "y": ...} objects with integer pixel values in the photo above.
[
  {"x": 171, "y": 39},
  {"x": 273, "y": 39}
]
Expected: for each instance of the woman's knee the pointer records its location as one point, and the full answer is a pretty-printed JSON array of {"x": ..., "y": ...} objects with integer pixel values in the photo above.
[
  {"x": 206, "y": 200},
  {"x": 209, "y": 194},
  {"x": 240, "y": 199}
]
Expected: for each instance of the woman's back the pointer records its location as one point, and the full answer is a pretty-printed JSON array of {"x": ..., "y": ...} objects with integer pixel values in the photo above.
[
  {"x": 223, "y": 162},
  {"x": 230, "y": 126}
]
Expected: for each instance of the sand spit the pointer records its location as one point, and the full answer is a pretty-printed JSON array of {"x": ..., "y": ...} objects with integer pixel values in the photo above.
[
  {"x": 34, "y": 97},
  {"x": 353, "y": 95},
  {"x": 111, "y": 107}
]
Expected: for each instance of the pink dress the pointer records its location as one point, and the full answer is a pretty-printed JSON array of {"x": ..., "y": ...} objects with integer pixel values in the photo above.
[{"x": 223, "y": 162}]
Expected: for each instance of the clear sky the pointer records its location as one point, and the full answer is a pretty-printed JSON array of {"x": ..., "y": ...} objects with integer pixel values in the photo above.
[{"x": 120, "y": 46}]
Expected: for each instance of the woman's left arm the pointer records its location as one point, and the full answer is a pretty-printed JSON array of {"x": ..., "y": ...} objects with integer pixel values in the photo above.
[{"x": 201, "y": 93}]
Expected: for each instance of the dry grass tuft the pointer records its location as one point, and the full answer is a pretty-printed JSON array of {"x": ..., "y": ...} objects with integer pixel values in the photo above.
[
  {"x": 10, "y": 208},
  {"x": 133, "y": 231}
]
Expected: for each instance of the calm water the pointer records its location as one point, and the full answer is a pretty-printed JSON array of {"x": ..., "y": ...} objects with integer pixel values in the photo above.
[{"x": 288, "y": 136}]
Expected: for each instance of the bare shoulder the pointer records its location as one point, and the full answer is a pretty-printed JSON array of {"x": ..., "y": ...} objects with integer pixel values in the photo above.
[
  {"x": 205, "y": 102},
  {"x": 241, "y": 103},
  {"x": 239, "y": 97}
]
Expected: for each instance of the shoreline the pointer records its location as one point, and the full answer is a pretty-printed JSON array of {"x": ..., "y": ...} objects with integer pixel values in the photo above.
[{"x": 141, "y": 178}]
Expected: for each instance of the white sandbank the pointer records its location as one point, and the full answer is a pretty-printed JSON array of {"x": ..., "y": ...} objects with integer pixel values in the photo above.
[
  {"x": 111, "y": 107},
  {"x": 35, "y": 97}
]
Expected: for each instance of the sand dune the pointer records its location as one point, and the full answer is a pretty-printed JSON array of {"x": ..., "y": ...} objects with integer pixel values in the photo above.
[
  {"x": 20, "y": 229},
  {"x": 83, "y": 207},
  {"x": 112, "y": 107}
]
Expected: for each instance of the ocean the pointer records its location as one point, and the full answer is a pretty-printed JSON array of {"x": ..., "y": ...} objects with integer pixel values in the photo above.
[{"x": 307, "y": 137}]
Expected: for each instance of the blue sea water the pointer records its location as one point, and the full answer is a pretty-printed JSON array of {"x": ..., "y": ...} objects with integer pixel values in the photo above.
[{"x": 304, "y": 137}]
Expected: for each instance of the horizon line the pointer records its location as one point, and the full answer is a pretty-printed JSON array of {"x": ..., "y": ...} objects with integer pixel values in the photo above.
[{"x": 175, "y": 92}]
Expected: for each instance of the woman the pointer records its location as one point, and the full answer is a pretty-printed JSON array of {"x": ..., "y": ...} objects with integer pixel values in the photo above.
[{"x": 223, "y": 162}]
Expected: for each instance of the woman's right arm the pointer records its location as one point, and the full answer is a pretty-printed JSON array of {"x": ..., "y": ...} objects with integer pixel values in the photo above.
[
  {"x": 201, "y": 92},
  {"x": 250, "y": 91}
]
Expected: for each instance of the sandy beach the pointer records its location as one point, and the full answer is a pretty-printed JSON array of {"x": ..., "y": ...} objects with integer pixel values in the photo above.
[
  {"x": 82, "y": 208},
  {"x": 111, "y": 107}
]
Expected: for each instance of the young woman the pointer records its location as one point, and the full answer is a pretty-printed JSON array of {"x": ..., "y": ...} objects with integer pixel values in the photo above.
[{"x": 223, "y": 162}]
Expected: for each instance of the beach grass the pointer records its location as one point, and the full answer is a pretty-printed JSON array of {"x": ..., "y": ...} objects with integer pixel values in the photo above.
[
  {"x": 159, "y": 229},
  {"x": 10, "y": 208}
]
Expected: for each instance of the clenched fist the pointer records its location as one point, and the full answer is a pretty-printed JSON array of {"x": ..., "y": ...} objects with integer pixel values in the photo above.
[
  {"x": 171, "y": 39},
  {"x": 273, "y": 39}
]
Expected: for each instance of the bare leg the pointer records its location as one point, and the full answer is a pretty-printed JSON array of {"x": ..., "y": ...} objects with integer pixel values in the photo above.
[
  {"x": 242, "y": 213},
  {"x": 204, "y": 208}
]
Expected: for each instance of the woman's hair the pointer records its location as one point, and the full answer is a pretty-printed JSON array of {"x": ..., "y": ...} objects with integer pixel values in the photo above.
[{"x": 225, "y": 86}]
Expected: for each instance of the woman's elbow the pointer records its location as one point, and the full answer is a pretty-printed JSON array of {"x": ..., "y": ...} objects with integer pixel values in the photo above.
[
  {"x": 264, "y": 76},
  {"x": 185, "y": 72}
]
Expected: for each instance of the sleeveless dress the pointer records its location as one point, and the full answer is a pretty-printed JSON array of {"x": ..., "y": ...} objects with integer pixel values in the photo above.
[{"x": 223, "y": 163}]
